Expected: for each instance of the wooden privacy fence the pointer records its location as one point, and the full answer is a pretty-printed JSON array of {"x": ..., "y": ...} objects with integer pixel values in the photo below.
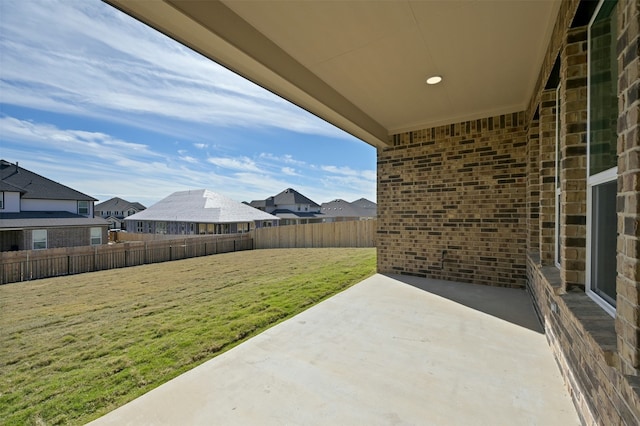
[
  {"x": 33, "y": 264},
  {"x": 356, "y": 233}
]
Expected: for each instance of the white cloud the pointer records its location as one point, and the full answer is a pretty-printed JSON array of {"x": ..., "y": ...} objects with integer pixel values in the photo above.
[
  {"x": 101, "y": 63},
  {"x": 289, "y": 171},
  {"x": 240, "y": 163},
  {"x": 345, "y": 171},
  {"x": 44, "y": 136},
  {"x": 286, "y": 159},
  {"x": 104, "y": 166},
  {"x": 189, "y": 159},
  {"x": 201, "y": 145}
]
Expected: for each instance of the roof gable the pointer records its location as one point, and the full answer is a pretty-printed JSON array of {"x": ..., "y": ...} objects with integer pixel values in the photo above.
[
  {"x": 342, "y": 208},
  {"x": 339, "y": 208},
  {"x": 117, "y": 203},
  {"x": 33, "y": 185},
  {"x": 290, "y": 196}
]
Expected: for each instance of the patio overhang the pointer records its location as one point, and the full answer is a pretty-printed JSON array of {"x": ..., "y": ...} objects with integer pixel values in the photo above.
[{"x": 362, "y": 66}]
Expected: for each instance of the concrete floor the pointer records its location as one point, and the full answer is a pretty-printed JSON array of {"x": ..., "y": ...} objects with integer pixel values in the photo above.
[{"x": 388, "y": 351}]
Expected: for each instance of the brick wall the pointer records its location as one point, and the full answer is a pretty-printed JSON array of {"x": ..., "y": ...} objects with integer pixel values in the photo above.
[
  {"x": 628, "y": 260},
  {"x": 533, "y": 185},
  {"x": 547, "y": 176},
  {"x": 598, "y": 355},
  {"x": 573, "y": 147},
  {"x": 75, "y": 236},
  {"x": 452, "y": 202}
]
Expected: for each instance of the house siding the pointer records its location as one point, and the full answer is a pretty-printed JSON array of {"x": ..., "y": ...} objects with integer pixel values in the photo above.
[
  {"x": 11, "y": 202},
  {"x": 445, "y": 188},
  {"x": 38, "y": 205}
]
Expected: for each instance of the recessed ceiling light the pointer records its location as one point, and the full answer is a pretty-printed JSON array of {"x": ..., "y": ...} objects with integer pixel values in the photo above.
[{"x": 434, "y": 79}]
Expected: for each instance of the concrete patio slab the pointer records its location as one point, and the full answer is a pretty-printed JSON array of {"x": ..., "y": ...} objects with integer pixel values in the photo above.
[{"x": 387, "y": 351}]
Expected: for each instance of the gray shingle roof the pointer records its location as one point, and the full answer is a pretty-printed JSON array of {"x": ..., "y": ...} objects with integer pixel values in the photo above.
[
  {"x": 200, "y": 206},
  {"x": 5, "y": 186},
  {"x": 339, "y": 208},
  {"x": 118, "y": 204},
  {"x": 286, "y": 198},
  {"x": 365, "y": 208},
  {"x": 33, "y": 185},
  {"x": 291, "y": 196},
  {"x": 342, "y": 208}
]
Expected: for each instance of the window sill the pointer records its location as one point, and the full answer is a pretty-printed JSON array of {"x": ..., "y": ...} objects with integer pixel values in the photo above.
[
  {"x": 589, "y": 320},
  {"x": 595, "y": 324}
]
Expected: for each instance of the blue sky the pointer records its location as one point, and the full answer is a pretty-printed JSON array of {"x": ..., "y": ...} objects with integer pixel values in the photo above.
[{"x": 99, "y": 102}]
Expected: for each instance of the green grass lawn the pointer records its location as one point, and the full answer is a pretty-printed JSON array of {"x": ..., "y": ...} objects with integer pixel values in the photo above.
[{"x": 74, "y": 348}]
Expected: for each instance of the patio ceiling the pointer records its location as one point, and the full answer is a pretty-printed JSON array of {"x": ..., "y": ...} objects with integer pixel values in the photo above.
[{"x": 362, "y": 65}]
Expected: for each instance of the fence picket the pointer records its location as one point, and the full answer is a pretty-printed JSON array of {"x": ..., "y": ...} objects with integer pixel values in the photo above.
[{"x": 33, "y": 264}]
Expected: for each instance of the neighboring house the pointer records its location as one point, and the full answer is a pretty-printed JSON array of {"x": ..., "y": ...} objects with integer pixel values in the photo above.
[
  {"x": 341, "y": 210},
  {"x": 115, "y": 210},
  {"x": 198, "y": 212},
  {"x": 38, "y": 213},
  {"x": 291, "y": 207}
]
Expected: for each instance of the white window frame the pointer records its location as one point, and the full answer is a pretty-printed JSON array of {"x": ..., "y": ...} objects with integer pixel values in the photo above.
[
  {"x": 80, "y": 207},
  {"x": 593, "y": 181},
  {"x": 605, "y": 176},
  {"x": 1, "y": 200},
  {"x": 40, "y": 239},
  {"x": 93, "y": 239}
]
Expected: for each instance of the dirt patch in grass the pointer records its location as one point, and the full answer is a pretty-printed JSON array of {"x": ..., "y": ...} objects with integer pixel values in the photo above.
[{"x": 74, "y": 348}]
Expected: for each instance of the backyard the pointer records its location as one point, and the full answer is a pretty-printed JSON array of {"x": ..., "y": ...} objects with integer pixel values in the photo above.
[{"x": 76, "y": 347}]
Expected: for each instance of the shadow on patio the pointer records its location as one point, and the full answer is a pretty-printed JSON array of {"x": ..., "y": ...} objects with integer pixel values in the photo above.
[{"x": 389, "y": 350}]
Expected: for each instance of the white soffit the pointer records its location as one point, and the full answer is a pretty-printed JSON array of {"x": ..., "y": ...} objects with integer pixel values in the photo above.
[{"x": 362, "y": 65}]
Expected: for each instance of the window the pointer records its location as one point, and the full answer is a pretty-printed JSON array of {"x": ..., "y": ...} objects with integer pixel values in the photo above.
[
  {"x": 602, "y": 157},
  {"x": 139, "y": 226},
  {"x": 83, "y": 208},
  {"x": 161, "y": 227},
  {"x": 96, "y": 236},
  {"x": 39, "y": 239},
  {"x": 558, "y": 195},
  {"x": 1, "y": 200}
]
